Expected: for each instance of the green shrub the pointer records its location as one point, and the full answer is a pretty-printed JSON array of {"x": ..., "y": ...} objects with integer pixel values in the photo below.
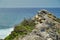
[{"x": 26, "y": 26}]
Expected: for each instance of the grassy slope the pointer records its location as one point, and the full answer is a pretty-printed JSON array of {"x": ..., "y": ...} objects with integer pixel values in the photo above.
[{"x": 26, "y": 26}]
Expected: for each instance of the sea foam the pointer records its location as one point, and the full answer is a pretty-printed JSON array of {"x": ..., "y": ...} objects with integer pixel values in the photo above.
[{"x": 5, "y": 32}]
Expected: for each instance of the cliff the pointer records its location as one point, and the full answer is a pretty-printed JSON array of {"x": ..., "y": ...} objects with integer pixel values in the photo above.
[{"x": 43, "y": 26}]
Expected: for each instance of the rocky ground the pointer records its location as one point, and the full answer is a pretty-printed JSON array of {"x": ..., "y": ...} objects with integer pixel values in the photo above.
[{"x": 45, "y": 28}]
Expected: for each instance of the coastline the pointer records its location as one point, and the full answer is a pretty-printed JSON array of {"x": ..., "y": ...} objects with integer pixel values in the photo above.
[{"x": 5, "y": 32}]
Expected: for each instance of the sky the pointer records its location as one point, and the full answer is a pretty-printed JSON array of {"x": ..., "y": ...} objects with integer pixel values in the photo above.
[
  {"x": 6, "y": 15},
  {"x": 29, "y": 3},
  {"x": 13, "y": 11}
]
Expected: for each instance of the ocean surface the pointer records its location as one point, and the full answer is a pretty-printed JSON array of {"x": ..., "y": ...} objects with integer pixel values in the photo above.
[{"x": 9, "y": 17}]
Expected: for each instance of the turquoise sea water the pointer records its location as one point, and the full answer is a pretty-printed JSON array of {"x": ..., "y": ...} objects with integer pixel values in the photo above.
[{"x": 9, "y": 17}]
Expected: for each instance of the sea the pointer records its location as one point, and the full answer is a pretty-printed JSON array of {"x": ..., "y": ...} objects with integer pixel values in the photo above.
[{"x": 9, "y": 17}]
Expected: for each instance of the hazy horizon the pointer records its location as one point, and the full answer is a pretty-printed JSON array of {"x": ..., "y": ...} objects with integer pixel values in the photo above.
[{"x": 29, "y": 3}]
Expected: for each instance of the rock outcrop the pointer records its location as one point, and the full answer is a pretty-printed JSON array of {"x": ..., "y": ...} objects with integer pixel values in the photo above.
[{"x": 45, "y": 29}]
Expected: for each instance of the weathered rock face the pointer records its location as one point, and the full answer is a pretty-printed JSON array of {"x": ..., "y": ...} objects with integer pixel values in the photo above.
[
  {"x": 45, "y": 28},
  {"x": 45, "y": 23}
]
